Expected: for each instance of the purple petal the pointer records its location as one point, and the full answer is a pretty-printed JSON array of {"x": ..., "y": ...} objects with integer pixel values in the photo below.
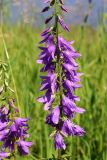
[
  {"x": 48, "y": 30},
  {"x": 4, "y": 155},
  {"x": 69, "y": 67},
  {"x": 3, "y": 125},
  {"x": 45, "y": 39},
  {"x": 3, "y": 134},
  {"x": 49, "y": 103},
  {"x": 56, "y": 115},
  {"x": 21, "y": 121}
]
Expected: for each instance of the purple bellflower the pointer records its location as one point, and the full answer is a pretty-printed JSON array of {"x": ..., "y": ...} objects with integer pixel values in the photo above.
[
  {"x": 59, "y": 61},
  {"x": 59, "y": 142},
  {"x": 13, "y": 128},
  {"x": 13, "y": 134},
  {"x": 4, "y": 155}
]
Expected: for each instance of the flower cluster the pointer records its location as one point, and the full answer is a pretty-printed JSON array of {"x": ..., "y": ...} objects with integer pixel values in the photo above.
[
  {"x": 13, "y": 128},
  {"x": 62, "y": 79}
]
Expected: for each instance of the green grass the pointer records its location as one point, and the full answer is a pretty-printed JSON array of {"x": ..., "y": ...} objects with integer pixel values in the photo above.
[{"x": 22, "y": 46}]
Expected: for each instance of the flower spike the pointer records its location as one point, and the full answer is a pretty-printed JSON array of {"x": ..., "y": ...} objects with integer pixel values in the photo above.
[{"x": 59, "y": 61}]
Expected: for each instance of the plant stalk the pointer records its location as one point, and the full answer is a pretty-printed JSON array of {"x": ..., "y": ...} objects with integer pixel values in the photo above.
[
  {"x": 8, "y": 59},
  {"x": 58, "y": 64}
]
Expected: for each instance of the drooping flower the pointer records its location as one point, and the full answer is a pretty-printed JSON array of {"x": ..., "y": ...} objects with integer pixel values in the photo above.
[
  {"x": 53, "y": 118},
  {"x": 71, "y": 106},
  {"x": 78, "y": 130},
  {"x": 59, "y": 142},
  {"x": 23, "y": 147},
  {"x": 69, "y": 128}
]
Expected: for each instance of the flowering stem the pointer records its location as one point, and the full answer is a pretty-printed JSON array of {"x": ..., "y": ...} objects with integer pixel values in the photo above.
[
  {"x": 58, "y": 53},
  {"x": 14, "y": 157},
  {"x": 59, "y": 64},
  {"x": 59, "y": 154},
  {"x": 58, "y": 58}
]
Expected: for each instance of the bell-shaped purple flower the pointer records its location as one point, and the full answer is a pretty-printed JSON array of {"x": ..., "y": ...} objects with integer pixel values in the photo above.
[
  {"x": 23, "y": 147},
  {"x": 69, "y": 107},
  {"x": 20, "y": 122},
  {"x": 77, "y": 130},
  {"x": 59, "y": 142},
  {"x": 53, "y": 118},
  {"x": 67, "y": 127},
  {"x": 4, "y": 112},
  {"x": 49, "y": 82},
  {"x": 11, "y": 134}
]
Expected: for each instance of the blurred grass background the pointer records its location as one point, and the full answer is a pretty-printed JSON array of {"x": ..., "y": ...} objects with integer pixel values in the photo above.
[{"x": 22, "y": 45}]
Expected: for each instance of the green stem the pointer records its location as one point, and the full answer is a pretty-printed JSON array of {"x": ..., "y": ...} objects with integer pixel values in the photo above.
[
  {"x": 59, "y": 154},
  {"x": 58, "y": 52},
  {"x": 4, "y": 78},
  {"x": 14, "y": 157},
  {"x": 59, "y": 64},
  {"x": 8, "y": 59}
]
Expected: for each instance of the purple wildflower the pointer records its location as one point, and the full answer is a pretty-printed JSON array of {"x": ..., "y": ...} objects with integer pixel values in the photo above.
[
  {"x": 4, "y": 155},
  {"x": 69, "y": 128},
  {"x": 78, "y": 130},
  {"x": 59, "y": 61},
  {"x": 59, "y": 142},
  {"x": 12, "y": 130},
  {"x": 23, "y": 147},
  {"x": 71, "y": 106},
  {"x": 15, "y": 132},
  {"x": 53, "y": 118}
]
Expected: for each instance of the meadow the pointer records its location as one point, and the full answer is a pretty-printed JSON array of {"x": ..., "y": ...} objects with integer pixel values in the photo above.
[{"x": 22, "y": 46}]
